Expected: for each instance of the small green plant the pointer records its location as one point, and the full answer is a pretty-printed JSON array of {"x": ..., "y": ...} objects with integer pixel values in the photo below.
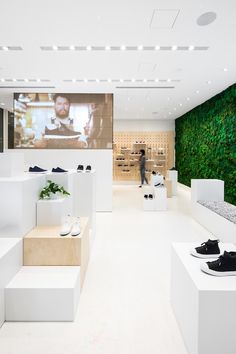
[{"x": 52, "y": 188}]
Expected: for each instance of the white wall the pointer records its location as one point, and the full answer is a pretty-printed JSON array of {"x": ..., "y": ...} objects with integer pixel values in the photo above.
[
  {"x": 100, "y": 160},
  {"x": 143, "y": 125}
]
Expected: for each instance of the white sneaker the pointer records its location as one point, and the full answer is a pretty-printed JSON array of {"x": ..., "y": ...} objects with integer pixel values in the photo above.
[
  {"x": 75, "y": 229},
  {"x": 66, "y": 227}
]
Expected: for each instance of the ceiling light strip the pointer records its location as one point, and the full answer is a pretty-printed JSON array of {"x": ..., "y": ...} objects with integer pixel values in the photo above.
[{"x": 120, "y": 48}]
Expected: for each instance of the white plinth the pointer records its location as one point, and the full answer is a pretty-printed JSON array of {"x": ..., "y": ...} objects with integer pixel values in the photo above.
[
  {"x": 51, "y": 212},
  {"x": 19, "y": 196},
  {"x": 65, "y": 180},
  {"x": 11, "y": 164},
  {"x": 173, "y": 176},
  {"x": 10, "y": 264},
  {"x": 43, "y": 294},
  {"x": 155, "y": 179},
  {"x": 160, "y": 197},
  {"x": 207, "y": 189},
  {"x": 148, "y": 204},
  {"x": 204, "y": 305},
  {"x": 85, "y": 197}
]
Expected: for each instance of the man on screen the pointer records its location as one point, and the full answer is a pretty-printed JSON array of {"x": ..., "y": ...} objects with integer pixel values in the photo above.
[{"x": 60, "y": 133}]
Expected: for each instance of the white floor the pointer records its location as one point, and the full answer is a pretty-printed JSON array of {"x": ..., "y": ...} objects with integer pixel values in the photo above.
[{"x": 124, "y": 307}]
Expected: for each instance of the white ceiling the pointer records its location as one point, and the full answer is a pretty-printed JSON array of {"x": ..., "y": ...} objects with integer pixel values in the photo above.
[{"x": 32, "y": 24}]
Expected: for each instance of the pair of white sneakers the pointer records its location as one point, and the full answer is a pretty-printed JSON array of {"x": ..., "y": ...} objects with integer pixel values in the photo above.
[{"x": 70, "y": 226}]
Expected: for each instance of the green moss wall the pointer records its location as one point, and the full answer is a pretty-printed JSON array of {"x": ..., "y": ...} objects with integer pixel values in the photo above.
[{"x": 205, "y": 142}]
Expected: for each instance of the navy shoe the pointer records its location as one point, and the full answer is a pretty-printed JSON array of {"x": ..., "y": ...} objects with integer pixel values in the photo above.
[
  {"x": 37, "y": 169},
  {"x": 58, "y": 169},
  {"x": 80, "y": 168},
  {"x": 88, "y": 168}
]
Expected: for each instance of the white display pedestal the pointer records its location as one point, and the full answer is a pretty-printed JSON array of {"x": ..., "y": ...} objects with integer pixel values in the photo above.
[
  {"x": 19, "y": 196},
  {"x": 148, "y": 204},
  {"x": 204, "y": 305},
  {"x": 11, "y": 164},
  {"x": 10, "y": 264},
  {"x": 207, "y": 189},
  {"x": 51, "y": 212},
  {"x": 155, "y": 179},
  {"x": 85, "y": 198},
  {"x": 65, "y": 180},
  {"x": 160, "y": 198},
  {"x": 43, "y": 294},
  {"x": 173, "y": 176}
]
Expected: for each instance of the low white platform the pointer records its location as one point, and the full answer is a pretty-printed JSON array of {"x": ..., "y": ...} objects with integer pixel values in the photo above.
[
  {"x": 10, "y": 264},
  {"x": 43, "y": 294},
  {"x": 160, "y": 197},
  {"x": 207, "y": 189},
  {"x": 51, "y": 212},
  {"x": 204, "y": 305},
  {"x": 173, "y": 176},
  {"x": 11, "y": 164},
  {"x": 148, "y": 204},
  {"x": 19, "y": 196}
]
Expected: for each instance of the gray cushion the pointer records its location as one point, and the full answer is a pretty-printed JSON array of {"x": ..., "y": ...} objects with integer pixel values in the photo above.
[{"x": 228, "y": 211}]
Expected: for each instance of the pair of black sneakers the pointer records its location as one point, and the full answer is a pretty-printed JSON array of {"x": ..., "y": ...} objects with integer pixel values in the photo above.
[
  {"x": 224, "y": 265},
  {"x": 148, "y": 196},
  {"x": 80, "y": 168}
]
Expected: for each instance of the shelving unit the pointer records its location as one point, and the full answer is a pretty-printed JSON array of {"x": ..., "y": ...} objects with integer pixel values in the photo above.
[{"x": 159, "y": 148}]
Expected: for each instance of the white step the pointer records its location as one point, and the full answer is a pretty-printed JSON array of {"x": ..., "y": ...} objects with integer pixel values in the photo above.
[
  {"x": 43, "y": 294},
  {"x": 10, "y": 264}
]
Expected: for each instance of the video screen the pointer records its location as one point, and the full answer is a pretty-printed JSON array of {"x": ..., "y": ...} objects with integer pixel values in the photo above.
[{"x": 63, "y": 121}]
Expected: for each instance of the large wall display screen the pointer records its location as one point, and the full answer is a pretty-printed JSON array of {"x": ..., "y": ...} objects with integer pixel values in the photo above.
[{"x": 63, "y": 121}]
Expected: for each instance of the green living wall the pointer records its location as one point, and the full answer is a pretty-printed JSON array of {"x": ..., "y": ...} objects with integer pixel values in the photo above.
[{"x": 205, "y": 142}]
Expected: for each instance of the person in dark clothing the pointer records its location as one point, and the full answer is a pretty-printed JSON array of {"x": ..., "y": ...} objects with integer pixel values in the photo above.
[{"x": 142, "y": 163}]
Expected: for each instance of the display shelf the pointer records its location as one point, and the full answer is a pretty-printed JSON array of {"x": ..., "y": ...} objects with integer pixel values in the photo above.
[{"x": 159, "y": 147}]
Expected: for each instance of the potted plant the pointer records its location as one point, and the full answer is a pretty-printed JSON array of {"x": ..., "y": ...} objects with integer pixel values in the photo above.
[{"x": 52, "y": 191}]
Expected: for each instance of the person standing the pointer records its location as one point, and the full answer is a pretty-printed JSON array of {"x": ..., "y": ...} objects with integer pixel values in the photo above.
[{"x": 142, "y": 166}]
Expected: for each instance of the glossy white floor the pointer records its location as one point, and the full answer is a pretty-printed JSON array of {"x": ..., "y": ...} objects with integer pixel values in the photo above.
[{"x": 124, "y": 307}]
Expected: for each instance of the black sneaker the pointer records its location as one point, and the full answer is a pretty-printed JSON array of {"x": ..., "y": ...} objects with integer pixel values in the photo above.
[
  {"x": 145, "y": 196},
  {"x": 172, "y": 169},
  {"x": 80, "y": 168},
  {"x": 88, "y": 168},
  {"x": 225, "y": 265},
  {"x": 37, "y": 169},
  {"x": 58, "y": 170},
  {"x": 150, "y": 196},
  {"x": 208, "y": 249}
]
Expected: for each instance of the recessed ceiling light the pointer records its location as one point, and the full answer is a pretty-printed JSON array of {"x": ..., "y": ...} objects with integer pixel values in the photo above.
[
  {"x": 2, "y": 80},
  {"x": 225, "y": 69},
  {"x": 122, "y": 47},
  {"x": 144, "y": 80},
  {"x": 156, "y": 80},
  {"x": 187, "y": 98},
  {"x": 85, "y": 80},
  {"x": 14, "y": 80},
  {"x": 97, "y": 80},
  {"x": 140, "y": 47},
  {"x": 174, "y": 108},
  {"x": 181, "y": 104},
  {"x": 209, "y": 82},
  {"x": 191, "y": 47},
  {"x": 54, "y": 47},
  {"x": 88, "y": 47},
  {"x": 3, "y": 104},
  {"x": 168, "y": 80},
  {"x": 197, "y": 91},
  {"x": 5, "y": 48},
  {"x": 72, "y": 47},
  {"x": 73, "y": 80},
  {"x": 121, "y": 80},
  {"x": 109, "y": 80},
  {"x": 157, "y": 47},
  {"x": 206, "y": 18},
  {"x": 128, "y": 98},
  {"x": 107, "y": 47},
  {"x": 170, "y": 113},
  {"x": 26, "y": 80},
  {"x": 174, "y": 47},
  {"x": 133, "y": 80},
  {"x": 38, "y": 80},
  {"x": 168, "y": 98}
]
